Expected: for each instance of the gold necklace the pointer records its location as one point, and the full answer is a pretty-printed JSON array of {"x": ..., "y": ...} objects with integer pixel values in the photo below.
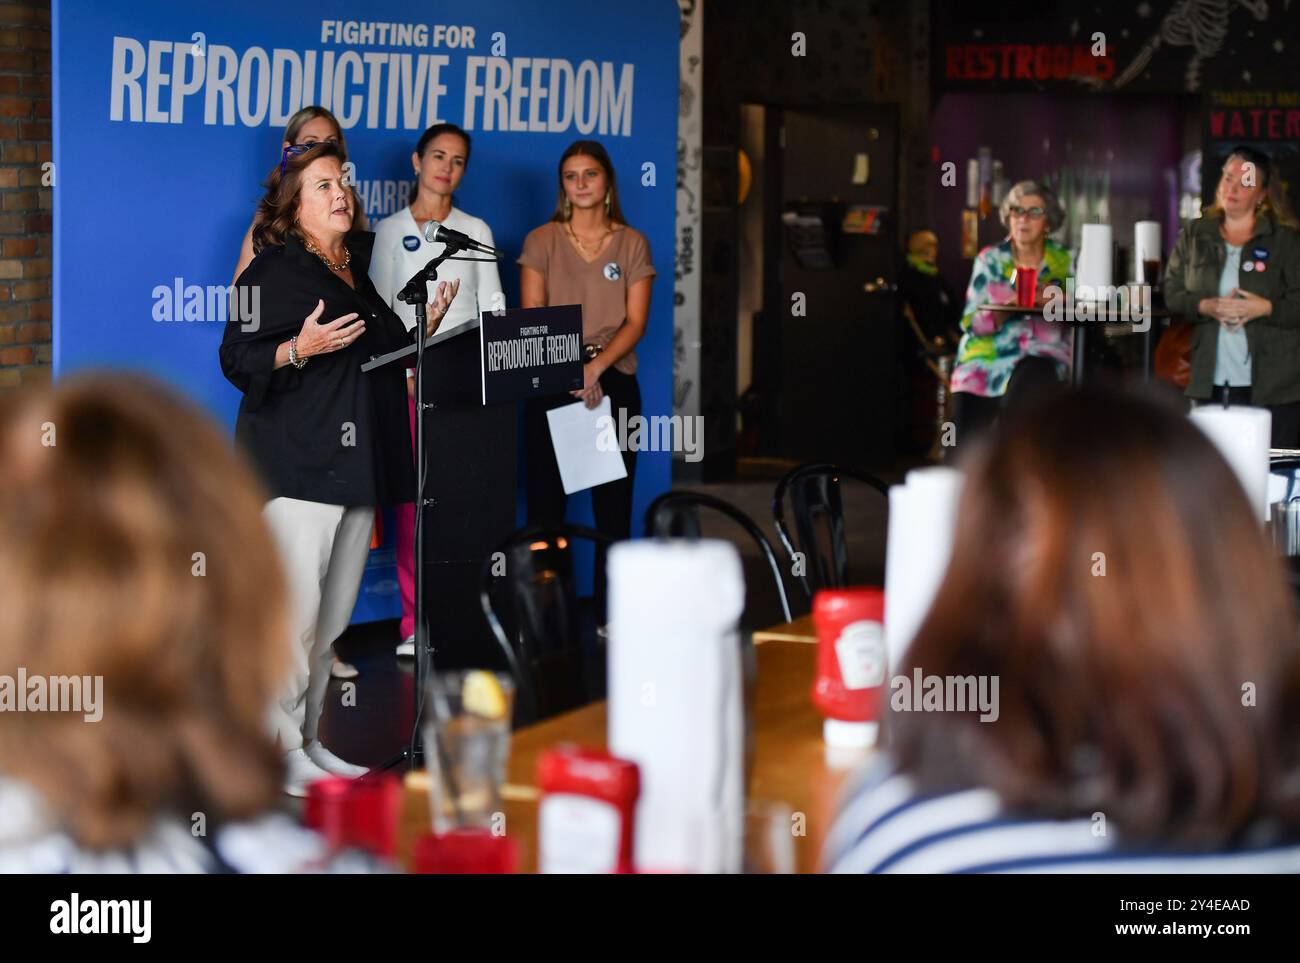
[
  {"x": 582, "y": 247},
  {"x": 347, "y": 256}
]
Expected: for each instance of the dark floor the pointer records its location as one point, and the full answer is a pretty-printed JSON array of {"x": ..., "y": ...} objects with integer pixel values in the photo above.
[{"x": 372, "y": 722}]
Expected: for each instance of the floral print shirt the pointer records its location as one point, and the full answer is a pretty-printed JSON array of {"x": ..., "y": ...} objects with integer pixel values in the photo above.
[{"x": 987, "y": 354}]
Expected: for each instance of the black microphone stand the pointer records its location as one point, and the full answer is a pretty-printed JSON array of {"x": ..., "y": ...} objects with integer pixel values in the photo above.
[{"x": 416, "y": 293}]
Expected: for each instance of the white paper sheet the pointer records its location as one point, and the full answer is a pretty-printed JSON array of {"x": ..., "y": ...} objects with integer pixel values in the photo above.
[{"x": 586, "y": 448}]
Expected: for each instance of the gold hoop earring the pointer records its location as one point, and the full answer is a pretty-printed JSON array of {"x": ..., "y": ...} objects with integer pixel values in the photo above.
[
  {"x": 607, "y": 202},
  {"x": 568, "y": 209}
]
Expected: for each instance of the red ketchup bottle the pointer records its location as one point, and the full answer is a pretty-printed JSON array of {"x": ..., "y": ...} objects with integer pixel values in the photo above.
[
  {"x": 585, "y": 820},
  {"x": 851, "y": 664}
]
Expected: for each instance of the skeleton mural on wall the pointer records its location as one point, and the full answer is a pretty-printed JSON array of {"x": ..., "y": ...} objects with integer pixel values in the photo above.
[{"x": 1199, "y": 24}]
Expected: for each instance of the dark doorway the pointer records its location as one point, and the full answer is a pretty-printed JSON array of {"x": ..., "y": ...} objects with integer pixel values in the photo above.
[{"x": 826, "y": 343}]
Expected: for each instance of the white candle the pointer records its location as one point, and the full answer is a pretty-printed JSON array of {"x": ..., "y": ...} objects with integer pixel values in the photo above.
[
  {"x": 1094, "y": 267},
  {"x": 1146, "y": 246}
]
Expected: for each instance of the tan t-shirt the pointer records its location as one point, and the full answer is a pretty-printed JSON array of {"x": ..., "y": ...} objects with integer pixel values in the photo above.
[{"x": 600, "y": 287}]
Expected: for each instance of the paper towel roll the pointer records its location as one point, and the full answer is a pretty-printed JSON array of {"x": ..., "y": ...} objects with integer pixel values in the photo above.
[
  {"x": 676, "y": 699},
  {"x": 922, "y": 519},
  {"x": 1241, "y": 433},
  {"x": 1094, "y": 267},
  {"x": 1146, "y": 242}
]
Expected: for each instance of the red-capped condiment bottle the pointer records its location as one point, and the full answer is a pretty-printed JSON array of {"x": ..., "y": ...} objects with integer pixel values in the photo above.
[
  {"x": 851, "y": 663},
  {"x": 585, "y": 821}
]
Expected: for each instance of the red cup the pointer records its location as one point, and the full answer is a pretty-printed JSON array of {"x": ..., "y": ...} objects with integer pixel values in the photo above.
[
  {"x": 356, "y": 813},
  {"x": 472, "y": 851},
  {"x": 851, "y": 663},
  {"x": 1026, "y": 286}
]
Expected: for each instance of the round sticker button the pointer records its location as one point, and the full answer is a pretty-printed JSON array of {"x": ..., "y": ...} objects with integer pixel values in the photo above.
[
  {"x": 1259, "y": 265},
  {"x": 612, "y": 271},
  {"x": 411, "y": 242},
  {"x": 1248, "y": 266}
]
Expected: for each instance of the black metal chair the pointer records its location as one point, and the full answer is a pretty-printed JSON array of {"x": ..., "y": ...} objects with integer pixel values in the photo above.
[
  {"x": 530, "y": 600},
  {"x": 814, "y": 491},
  {"x": 675, "y": 515}
]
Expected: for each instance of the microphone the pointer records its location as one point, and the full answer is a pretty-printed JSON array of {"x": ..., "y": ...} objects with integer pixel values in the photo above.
[{"x": 436, "y": 232}]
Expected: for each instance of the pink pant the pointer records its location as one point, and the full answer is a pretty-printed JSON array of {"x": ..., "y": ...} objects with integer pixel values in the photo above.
[{"x": 405, "y": 519}]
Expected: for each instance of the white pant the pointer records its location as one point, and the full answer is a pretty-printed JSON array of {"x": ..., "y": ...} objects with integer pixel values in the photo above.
[{"x": 323, "y": 549}]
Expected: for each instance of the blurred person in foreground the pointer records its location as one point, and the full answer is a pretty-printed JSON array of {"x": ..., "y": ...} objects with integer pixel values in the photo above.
[
  {"x": 1110, "y": 576},
  {"x": 133, "y": 552}
]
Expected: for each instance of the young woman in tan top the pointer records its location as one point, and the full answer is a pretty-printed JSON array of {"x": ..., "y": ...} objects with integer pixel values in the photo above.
[{"x": 587, "y": 254}]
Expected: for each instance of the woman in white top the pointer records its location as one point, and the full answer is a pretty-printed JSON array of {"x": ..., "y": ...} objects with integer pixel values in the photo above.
[{"x": 440, "y": 160}]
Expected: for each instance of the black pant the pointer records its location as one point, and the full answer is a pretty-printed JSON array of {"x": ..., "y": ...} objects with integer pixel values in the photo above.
[
  {"x": 1286, "y": 418},
  {"x": 1032, "y": 379},
  {"x": 611, "y": 503}
]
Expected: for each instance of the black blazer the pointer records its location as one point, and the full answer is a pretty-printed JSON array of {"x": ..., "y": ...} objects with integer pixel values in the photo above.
[{"x": 327, "y": 433}]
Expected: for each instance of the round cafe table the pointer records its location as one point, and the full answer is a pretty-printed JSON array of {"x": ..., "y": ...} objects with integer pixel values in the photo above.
[{"x": 1098, "y": 311}]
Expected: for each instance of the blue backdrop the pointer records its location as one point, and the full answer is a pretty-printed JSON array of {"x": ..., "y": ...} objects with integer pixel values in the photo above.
[{"x": 168, "y": 116}]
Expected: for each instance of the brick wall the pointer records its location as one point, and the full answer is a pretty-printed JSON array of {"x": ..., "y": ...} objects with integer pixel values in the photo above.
[{"x": 25, "y": 203}]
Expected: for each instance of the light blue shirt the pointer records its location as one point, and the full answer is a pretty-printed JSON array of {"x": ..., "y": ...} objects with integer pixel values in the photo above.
[{"x": 1232, "y": 360}]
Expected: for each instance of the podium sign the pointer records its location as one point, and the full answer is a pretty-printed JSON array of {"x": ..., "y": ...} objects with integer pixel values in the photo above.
[{"x": 531, "y": 352}]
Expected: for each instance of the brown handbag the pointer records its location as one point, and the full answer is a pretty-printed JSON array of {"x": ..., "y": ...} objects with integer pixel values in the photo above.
[{"x": 1174, "y": 354}]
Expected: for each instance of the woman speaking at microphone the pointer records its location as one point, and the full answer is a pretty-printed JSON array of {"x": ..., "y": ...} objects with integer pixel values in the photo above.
[
  {"x": 440, "y": 160},
  {"x": 307, "y": 127},
  {"x": 587, "y": 254},
  {"x": 326, "y": 437}
]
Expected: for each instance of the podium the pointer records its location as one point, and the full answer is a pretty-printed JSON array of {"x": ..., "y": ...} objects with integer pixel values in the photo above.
[
  {"x": 471, "y": 451},
  {"x": 469, "y": 419}
]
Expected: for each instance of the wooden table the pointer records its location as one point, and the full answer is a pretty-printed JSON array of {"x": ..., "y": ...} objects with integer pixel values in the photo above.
[
  {"x": 800, "y": 630},
  {"x": 791, "y": 763},
  {"x": 1100, "y": 314}
]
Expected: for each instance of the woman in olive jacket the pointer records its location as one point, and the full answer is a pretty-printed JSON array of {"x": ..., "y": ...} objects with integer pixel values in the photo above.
[{"x": 1235, "y": 274}]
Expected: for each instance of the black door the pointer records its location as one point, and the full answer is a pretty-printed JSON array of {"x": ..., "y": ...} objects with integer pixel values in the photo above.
[{"x": 827, "y": 344}]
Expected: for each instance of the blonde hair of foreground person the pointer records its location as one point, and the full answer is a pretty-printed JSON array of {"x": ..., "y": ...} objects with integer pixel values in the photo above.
[{"x": 110, "y": 487}]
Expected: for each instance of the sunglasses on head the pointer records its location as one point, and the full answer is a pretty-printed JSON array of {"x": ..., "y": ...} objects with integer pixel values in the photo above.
[
  {"x": 1034, "y": 212},
  {"x": 293, "y": 150}
]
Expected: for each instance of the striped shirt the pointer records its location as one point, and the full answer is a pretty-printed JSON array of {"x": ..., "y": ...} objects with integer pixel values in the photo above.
[
  {"x": 29, "y": 843},
  {"x": 885, "y": 826}
]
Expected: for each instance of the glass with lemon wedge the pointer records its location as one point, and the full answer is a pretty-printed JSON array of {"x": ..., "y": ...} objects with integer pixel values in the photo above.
[{"x": 466, "y": 746}]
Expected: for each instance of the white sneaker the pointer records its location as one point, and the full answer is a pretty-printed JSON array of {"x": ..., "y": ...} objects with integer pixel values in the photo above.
[
  {"x": 300, "y": 772},
  {"x": 406, "y": 648},
  {"x": 342, "y": 670},
  {"x": 331, "y": 763}
]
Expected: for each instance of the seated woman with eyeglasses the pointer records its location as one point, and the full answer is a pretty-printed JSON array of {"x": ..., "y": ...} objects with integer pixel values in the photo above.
[
  {"x": 1109, "y": 577},
  {"x": 1004, "y": 357}
]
